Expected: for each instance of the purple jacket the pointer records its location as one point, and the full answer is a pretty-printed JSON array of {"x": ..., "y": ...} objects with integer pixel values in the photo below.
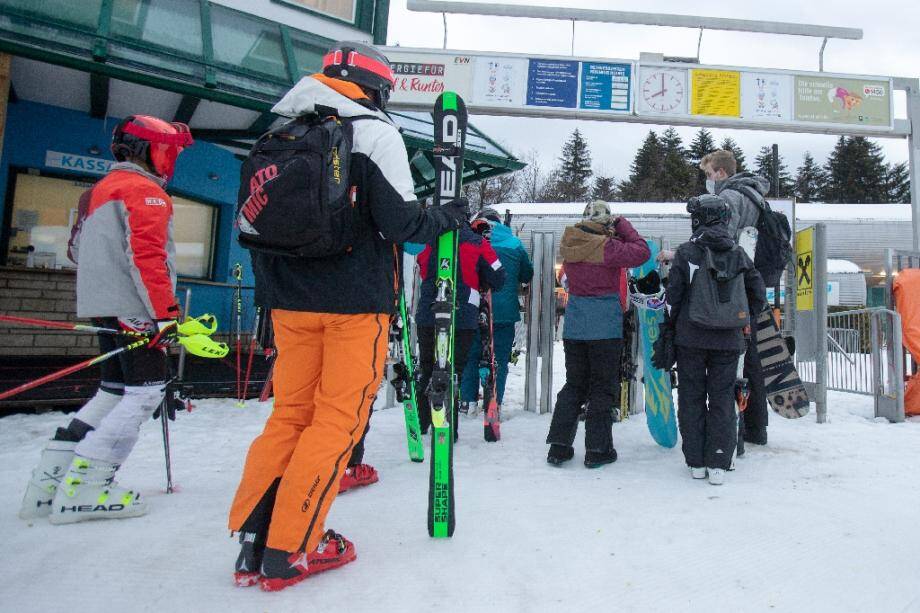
[{"x": 626, "y": 250}]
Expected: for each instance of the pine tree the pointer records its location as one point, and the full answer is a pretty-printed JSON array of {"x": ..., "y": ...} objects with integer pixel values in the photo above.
[
  {"x": 763, "y": 165},
  {"x": 702, "y": 144},
  {"x": 646, "y": 168},
  {"x": 898, "y": 183},
  {"x": 571, "y": 176},
  {"x": 729, "y": 144},
  {"x": 605, "y": 188},
  {"x": 856, "y": 172},
  {"x": 677, "y": 181},
  {"x": 809, "y": 180}
]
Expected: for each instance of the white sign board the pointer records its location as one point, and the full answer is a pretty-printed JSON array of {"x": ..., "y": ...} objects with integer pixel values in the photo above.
[{"x": 766, "y": 96}]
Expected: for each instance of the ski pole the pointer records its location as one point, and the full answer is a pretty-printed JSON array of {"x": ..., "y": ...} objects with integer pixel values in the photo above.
[
  {"x": 267, "y": 386},
  {"x": 238, "y": 275},
  {"x": 164, "y": 422},
  {"x": 71, "y": 369},
  {"x": 252, "y": 350},
  {"x": 203, "y": 324},
  {"x": 196, "y": 344}
]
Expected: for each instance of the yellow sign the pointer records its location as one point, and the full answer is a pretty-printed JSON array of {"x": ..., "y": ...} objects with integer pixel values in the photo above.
[
  {"x": 805, "y": 270},
  {"x": 716, "y": 92}
]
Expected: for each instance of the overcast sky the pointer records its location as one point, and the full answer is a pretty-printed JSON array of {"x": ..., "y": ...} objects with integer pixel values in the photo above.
[{"x": 890, "y": 47}]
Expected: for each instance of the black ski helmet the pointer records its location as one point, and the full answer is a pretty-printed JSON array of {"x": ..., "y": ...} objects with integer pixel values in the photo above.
[
  {"x": 707, "y": 210},
  {"x": 489, "y": 214},
  {"x": 363, "y": 65}
]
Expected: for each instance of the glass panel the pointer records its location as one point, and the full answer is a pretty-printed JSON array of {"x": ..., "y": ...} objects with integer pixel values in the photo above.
[
  {"x": 307, "y": 53},
  {"x": 50, "y": 37},
  {"x": 175, "y": 24},
  {"x": 241, "y": 40},
  {"x": 44, "y": 210},
  {"x": 83, "y": 13},
  {"x": 343, "y": 9},
  {"x": 193, "y": 233},
  {"x": 187, "y": 70}
]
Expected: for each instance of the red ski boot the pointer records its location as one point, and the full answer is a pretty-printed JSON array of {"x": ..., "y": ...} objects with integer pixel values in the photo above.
[
  {"x": 358, "y": 475},
  {"x": 281, "y": 569}
]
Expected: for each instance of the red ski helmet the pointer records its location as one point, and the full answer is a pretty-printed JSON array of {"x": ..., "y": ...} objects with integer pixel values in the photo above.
[
  {"x": 151, "y": 139},
  {"x": 363, "y": 65}
]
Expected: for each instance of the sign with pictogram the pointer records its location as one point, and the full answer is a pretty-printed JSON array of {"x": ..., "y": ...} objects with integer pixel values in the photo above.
[{"x": 805, "y": 269}]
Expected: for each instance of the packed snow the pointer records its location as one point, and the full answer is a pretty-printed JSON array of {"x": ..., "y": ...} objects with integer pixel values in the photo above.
[{"x": 822, "y": 519}]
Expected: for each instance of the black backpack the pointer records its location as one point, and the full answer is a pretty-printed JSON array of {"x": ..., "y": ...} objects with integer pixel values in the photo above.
[
  {"x": 717, "y": 298},
  {"x": 774, "y": 234},
  {"x": 296, "y": 198}
]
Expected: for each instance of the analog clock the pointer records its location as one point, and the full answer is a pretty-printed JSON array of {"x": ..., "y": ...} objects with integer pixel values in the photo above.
[{"x": 663, "y": 91}]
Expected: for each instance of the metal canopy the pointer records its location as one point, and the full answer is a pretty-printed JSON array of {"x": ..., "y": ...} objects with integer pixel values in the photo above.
[
  {"x": 629, "y": 17},
  {"x": 216, "y": 69}
]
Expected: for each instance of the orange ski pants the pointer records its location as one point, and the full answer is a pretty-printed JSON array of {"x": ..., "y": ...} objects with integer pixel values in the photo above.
[{"x": 327, "y": 371}]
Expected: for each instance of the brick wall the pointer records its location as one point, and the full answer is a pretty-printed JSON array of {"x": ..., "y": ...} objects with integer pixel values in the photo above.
[{"x": 45, "y": 294}]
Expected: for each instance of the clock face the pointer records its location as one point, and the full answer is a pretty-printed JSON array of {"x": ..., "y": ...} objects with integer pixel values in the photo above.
[{"x": 664, "y": 91}]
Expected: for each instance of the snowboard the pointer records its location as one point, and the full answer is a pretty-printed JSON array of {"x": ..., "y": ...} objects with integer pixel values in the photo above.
[
  {"x": 785, "y": 390},
  {"x": 659, "y": 404}
]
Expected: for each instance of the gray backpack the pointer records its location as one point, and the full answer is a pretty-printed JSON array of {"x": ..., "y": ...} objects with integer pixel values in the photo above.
[{"x": 717, "y": 297}]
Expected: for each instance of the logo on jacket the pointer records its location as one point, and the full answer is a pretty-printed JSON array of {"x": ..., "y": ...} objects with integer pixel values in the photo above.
[{"x": 154, "y": 202}]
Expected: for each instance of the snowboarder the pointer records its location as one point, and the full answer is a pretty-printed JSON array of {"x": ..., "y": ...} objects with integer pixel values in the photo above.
[
  {"x": 594, "y": 251},
  {"x": 505, "y": 307},
  {"x": 707, "y": 353},
  {"x": 479, "y": 266},
  {"x": 723, "y": 180},
  {"x": 330, "y": 316},
  {"x": 126, "y": 279}
]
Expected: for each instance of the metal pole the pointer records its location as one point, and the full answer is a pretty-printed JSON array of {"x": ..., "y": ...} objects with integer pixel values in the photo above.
[
  {"x": 547, "y": 329},
  {"x": 775, "y": 170},
  {"x": 821, "y": 55},
  {"x": 820, "y": 293},
  {"x": 889, "y": 280},
  {"x": 573, "y": 37},
  {"x": 897, "y": 368},
  {"x": 533, "y": 324},
  {"x": 185, "y": 312},
  {"x": 913, "y": 148}
]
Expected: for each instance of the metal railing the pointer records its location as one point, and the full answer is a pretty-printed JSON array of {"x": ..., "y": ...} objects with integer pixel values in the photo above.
[{"x": 864, "y": 356}]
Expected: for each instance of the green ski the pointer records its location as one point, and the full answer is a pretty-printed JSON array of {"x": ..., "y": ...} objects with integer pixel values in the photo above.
[
  {"x": 404, "y": 381},
  {"x": 449, "y": 139}
]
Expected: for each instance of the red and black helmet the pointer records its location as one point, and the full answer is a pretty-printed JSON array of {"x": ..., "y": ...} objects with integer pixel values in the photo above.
[
  {"x": 363, "y": 65},
  {"x": 151, "y": 139}
]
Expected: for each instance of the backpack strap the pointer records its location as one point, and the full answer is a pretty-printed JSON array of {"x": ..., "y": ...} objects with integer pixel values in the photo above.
[{"x": 755, "y": 197}]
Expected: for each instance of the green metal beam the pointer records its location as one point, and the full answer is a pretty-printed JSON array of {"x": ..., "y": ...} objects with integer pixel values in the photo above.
[
  {"x": 186, "y": 109},
  {"x": 381, "y": 15},
  {"x": 207, "y": 45},
  {"x": 98, "y": 95},
  {"x": 101, "y": 44}
]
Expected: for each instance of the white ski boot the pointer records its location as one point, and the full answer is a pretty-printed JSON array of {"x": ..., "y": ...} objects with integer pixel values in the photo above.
[
  {"x": 698, "y": 472},
  {"x": 716, "y": 476},
  {"x": 55, "y": 460},
  {"x": 89, "y": 491}
]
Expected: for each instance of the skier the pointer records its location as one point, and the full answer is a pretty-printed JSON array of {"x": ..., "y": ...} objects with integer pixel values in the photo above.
[
  {"x": 707, "y": 354},
  {"x": 594, "y": 251},
  {"x": 505, "y": 307},
  {"x": 330, "y": 317},
  {"x": 478, "y": 266},
  {"x": 126, "y": 278},
  {"x": 739, "y": 191}
]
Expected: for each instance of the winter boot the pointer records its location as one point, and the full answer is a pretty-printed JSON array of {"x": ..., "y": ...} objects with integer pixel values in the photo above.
[
  {"x": 559, "y": 454},
  {"x": 89, "y": 491},
  {"x": 55, "y": 460},
  {"x": 698, "y": 472},
  {"x": 281, "y": 569},
  {"x": 358, "y": 475},
  {"x": 249, "y": 562},
  {"x": 596, "y": 459},
  {"x": 716, "y": 476}
]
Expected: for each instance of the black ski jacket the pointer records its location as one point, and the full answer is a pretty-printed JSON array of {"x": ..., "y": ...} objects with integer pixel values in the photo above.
[{"x": 690, "y": 257}]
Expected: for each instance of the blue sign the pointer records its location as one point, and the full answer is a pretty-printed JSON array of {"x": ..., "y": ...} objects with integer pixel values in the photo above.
[
  {"x": 605, "y": 87},
  {"x": 552, "y": 83},
  {"x": 80, "y": 163}
]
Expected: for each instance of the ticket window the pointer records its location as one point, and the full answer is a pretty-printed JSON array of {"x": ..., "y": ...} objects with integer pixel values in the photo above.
[{"x": 44, "y": 210}]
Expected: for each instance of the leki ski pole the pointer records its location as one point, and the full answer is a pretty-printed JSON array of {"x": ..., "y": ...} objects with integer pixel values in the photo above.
[
  {"x": 237, "y": 273},
  {"x": 252, "y": 350},
  {"x": 203, "y": 324}
]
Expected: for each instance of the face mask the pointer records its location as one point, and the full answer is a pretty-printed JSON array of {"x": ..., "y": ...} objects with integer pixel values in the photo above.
[{"x": 710, "y": 186}]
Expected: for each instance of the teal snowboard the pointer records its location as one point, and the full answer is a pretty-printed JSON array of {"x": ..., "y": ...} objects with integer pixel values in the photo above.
[{"x": 659, "y": 405}]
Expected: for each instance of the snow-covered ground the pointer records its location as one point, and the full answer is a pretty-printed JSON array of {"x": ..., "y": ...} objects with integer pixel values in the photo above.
[{"x": 823, "y": 519}]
